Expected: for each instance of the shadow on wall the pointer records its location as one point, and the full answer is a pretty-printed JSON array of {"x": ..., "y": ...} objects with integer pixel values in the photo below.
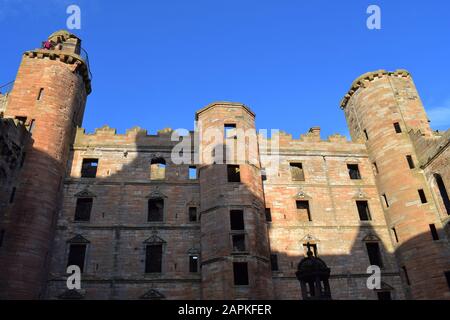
[{"x": 111, "y": 241}]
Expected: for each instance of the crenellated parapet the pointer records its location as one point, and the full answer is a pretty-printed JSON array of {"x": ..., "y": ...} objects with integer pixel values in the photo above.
[
  {"x": 310, "y": 141},
  {"x": 362, "y": 81},
  {"x": 136, "y": 136}
]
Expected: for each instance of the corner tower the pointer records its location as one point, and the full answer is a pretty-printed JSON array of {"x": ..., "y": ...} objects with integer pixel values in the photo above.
[
  {"x": 49, "y": 97},
  {"x": 381, "y": 109},
  {"x": 234, "y": 242}
]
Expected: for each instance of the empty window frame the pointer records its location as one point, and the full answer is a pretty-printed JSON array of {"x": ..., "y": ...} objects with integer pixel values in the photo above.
[
  {"x": 268, "y": 214},
  {"x": 411, "y": 163},
  {"x": 238, "y": 242},
  {"x": 297, "y": 173},
  {"x": 153, "y": 258},
  {"x": 77, "y": 255},
  {"x": 234, "y": 173},
  {"x": 422, "y": 196},
  {"x": 397, "y": 127},
  {"x": 363, "y": 210},
  {"x": 434, "y": 232},
  {"x": 313, "y": 248},
  {"x": 155, "y": 210},
  {"x": 83, "y": 209},
  {"x": 192, "y": 173},
  {"x": 230, "y": 131},
  {"x": 240, "y": 272},
  {"x": 158, "y": 169},
  {"x": 89, "y": 168},
  {"x": 353, "y": 171},
  {"x": 374, "y": 253},
  {"x": 303, "y": 210},
  {"x": 21, "y": 120},
  {"x": 274, "y": 262},
  {"x": 2, "y": 237},
  {"x": 237, "y": 220},
  {"x": 447, "y": 277},
  {"x": 193, "y": 264},
  {"x": 192, "y": 214}
]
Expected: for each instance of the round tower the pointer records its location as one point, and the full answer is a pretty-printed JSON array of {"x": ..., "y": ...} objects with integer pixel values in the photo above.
[
  {"x": 234, "y": 241},
  {"x": 381, "y": 109},
  {"x": 49, "y": 97}
]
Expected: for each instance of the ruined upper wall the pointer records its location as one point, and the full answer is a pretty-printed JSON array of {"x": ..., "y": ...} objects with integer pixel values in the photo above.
[
  {"x": 133, "y": 138},
  {"x": 429, "y": 148},
  {"x": 311, "y": 142}
]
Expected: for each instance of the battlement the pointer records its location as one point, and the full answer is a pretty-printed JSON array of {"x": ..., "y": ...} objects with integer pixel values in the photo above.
[
  {"x": 312, "y": 141},
  {"x": 137, "y": 136},
  {"x": 368, "y": 77}
]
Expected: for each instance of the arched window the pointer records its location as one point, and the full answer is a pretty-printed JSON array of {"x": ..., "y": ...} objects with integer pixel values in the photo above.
[
  {"x": 158, "y": 169},
  {"x": 443, "y": 192}
]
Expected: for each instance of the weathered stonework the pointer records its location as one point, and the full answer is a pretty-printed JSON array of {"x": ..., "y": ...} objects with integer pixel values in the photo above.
[{"x": 118, "y": 229}]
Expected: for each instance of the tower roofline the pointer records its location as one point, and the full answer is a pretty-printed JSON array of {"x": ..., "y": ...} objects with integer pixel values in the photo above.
[
  {"x": 63, "y": 33},
  {"x": 369, "y": 76},
  {"x": 224, "y": 103}
]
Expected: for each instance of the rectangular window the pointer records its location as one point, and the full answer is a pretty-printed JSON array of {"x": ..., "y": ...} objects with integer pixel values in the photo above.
[
  {"x": 263, "y": 174},
  {"x": 157, "y": 169},
  {"x": 2, "y": 237},
  {"x": 422, "y": 196},
  {"x": 83, "y": 209},
  {"x": 22, "y": 120},
  {"x": 363, "y": 210},
  {"x": 297, "y": 172},
  {"x": 192, "y": 214},
  {"x": 397, "y": 127},
  {"x": 13, "y": 195},
  {"x": 366, "y": 134},
  {"x": 447, "y": 277},
  {"x": 394, "y": 232},
  {"x": 153, "y": 259},
  {"x": 155, "y": 210},
  {"x": 405, "y": 273},
  {"x": 303, "y": 210},
  {"x": 193, "y": 264},
  {"x": 192, "y": 173},
  {"x": 230, "y": 131},
  {"x": 238, "y": 242},
  {"x": 384, "y": 295},
  {"x": 434, "y": 232},
  {"x": 410, "y": 162},
  {"x": 40, "y": 94},
  {"x": 386, "y": 202},
  {"x": 234, "y": 173},
  {"x": 274, "y": 262},
  {"x": 22, "y": 160},
  {"x": 237, "y": 220},
  {"x": 313, "y": 249},
  {"x": 268, "y": 215},
  {"x": 373, "y": 250},
  {"x": 240, "y": 271},
  {"x": 89, "y": 168},
  {"x": 353, "y": 171},
  {"x": 77, "y": 254}
]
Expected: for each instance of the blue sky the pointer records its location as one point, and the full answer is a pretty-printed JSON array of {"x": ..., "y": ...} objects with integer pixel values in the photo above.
[{"x": 154, "y": 63}]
